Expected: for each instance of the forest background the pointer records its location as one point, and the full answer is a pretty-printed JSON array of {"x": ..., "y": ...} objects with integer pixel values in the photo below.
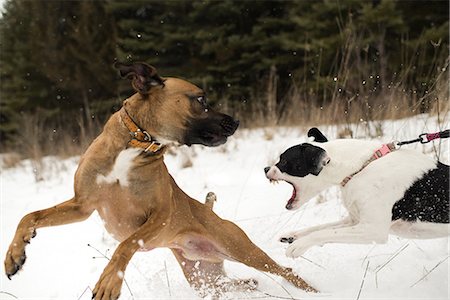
[{"x": 267, "y": 63}]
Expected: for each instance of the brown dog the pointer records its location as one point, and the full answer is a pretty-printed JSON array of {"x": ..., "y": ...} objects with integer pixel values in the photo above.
[{"x": 124, "y": 178}]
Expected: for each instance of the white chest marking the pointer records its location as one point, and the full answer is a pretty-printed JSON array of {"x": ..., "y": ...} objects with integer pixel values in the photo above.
[{"x": 122, "y": 165}]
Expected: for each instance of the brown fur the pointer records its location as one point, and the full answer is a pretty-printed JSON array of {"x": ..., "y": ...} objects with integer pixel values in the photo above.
[{"x": 152, "y": 210}]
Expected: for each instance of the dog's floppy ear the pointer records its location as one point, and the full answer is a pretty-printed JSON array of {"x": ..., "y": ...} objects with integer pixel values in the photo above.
[
  {"x": 317, "y": 135},
  {"x": 143, "y": 76}
]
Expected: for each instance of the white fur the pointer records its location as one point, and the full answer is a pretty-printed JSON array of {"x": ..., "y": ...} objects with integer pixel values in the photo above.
[
  {"x": 419, "y": 230},
  {"x": 369, "y": 196},
  {"x": 119, "y": 172}
]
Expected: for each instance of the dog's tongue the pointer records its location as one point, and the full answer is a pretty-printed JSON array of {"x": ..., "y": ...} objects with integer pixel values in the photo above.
[{"x": 291, "y": 200}]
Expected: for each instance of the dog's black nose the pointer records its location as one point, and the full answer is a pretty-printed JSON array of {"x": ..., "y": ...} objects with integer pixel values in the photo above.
[
  {"x": 229, "y": 125},
  {"x": 266, "y": 169}
]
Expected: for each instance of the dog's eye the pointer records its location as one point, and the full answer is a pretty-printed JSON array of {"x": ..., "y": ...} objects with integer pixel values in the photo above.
[{"x": 202, "y": 100}]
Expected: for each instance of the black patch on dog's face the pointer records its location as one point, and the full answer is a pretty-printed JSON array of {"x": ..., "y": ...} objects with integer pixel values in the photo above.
[
  {"x": 210, "y": 130},
  {"x": 205, "y": 126},
  {"x": 301, "y": 160}
]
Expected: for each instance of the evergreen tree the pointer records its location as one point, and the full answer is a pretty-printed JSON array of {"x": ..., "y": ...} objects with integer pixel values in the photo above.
[
  {"x": 56, "y": 56},
  {"x": 23, "y": 86},
  {"x": 57, "y": 59},
  {"x": 76, "y": 51}
]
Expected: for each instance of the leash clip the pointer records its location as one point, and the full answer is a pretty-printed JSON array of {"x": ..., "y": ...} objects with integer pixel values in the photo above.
[
  {"x": 424, "y": 138},
  {"x": 397, "y": 145},
  {"x": 432, "y": 136}
]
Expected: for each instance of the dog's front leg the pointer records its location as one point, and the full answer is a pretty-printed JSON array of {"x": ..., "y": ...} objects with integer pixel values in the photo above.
[
  {"x": 110, "y": 282},
  {"x": 294, "y": 235},
  {"x": 67, "y": 212},
  {"x": 357, "y": 234}
]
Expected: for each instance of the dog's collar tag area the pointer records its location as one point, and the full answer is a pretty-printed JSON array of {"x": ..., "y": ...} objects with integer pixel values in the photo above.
[
  {"x": 383, "y": 151},
  {"x": 139, "y": 138}
]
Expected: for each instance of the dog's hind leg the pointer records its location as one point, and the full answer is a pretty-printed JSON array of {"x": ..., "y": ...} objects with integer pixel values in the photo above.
[
  {"x": 67, "y": 212},
  {"x": 420, "y": 230},
  {"x": 201, "y": 275},
  {"x": 239, "y": 248},
  {"x": 209, "y": 278}
]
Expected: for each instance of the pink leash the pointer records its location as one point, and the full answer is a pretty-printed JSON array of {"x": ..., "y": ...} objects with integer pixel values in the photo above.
[
  {"x": 388, "y": 148},
  {"x": 427, "y": 137}
]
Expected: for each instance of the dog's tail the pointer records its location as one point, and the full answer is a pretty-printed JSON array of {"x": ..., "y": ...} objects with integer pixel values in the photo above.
[{"x": 210, "y": 199}]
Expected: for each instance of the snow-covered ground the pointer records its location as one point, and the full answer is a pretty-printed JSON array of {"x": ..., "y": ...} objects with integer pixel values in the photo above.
[{"x": 62, "y": 265}]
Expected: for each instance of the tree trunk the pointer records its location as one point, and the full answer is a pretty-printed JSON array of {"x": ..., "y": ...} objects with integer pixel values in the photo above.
[
  {"x": 272, "y": 96},
  {"x": 383, "y": 58},
  {"x": 87, "y": 110}
]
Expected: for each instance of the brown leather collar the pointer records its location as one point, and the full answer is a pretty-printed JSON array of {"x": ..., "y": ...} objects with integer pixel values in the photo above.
[{"x": 139, "y": 138}]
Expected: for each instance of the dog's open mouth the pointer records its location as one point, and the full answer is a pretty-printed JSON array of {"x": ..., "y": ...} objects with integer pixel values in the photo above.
[
  {"x": 293, "y": 199},
  {"x": 291, "y": 202}
]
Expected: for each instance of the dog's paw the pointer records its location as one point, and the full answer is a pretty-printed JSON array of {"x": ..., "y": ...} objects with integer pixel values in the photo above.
[
  {"x": 249, "y": 284},
  {"x": 290, "y": 237},
  {"x": 109, "y": 285},
  {"x": 298, "y": 281},
  {"x": 15, "y": 258},
  {"x": 295, "y": 250},
  {"x": 241, "y": 285},
  {"x": 13, "y": 263},
  {"x": 288, "y": 240}
]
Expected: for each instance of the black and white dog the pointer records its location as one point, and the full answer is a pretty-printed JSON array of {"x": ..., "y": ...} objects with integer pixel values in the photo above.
[{"x": 404, "y": 192}]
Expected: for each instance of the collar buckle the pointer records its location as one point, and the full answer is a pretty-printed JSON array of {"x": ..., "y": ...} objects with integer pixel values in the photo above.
[
  {"x": 147, "y": 136},
  {"x": 139, "y": 138},
  {"x": 385, "y": 149},
  {"x": 153, "y": 147}
]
